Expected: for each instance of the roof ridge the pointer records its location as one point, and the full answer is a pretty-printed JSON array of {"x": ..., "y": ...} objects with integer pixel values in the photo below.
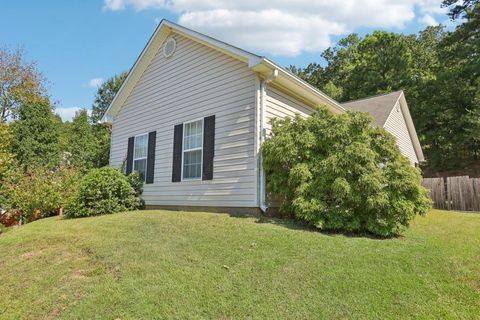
[
  {"x": 210, "y": 37},
  {"x": 374, "y": 96}
]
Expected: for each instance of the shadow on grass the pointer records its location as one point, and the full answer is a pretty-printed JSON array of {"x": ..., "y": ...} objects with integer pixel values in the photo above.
[
  {"x": 274, "y": 218},
  {"x": 294, "y": 224}
]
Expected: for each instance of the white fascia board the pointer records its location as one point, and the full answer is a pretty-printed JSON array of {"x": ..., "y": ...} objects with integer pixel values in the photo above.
[
  {"x": 214, "y": 43},
  {"x": 296, "y": 85},
  {"x": 137, "y": 70},
  {"x": 411, "y": 128}
]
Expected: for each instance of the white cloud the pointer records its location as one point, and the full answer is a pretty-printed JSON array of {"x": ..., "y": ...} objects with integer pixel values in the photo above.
[
  {"x": 286, "y": 27},
  {"x": 428, "y": 20},
  {"x": 67, "y": 114},
  {"x": 262, "y": 30},
  {"x": 431, "y": 7},
  {"x": 95, "y": 83},
  {"x": 114, "y": 5}
]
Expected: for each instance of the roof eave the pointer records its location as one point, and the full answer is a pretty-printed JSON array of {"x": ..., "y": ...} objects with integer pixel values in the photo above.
[
  {"x": 163, "y": 29},
  {"x": 134, "y": 73},
  {"x": 285, "y": 79},
  {"x": 411, "y": 128}
]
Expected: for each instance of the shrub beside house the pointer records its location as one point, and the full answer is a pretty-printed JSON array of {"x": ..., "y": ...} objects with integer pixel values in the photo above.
[{"x": 337, "y": 172}]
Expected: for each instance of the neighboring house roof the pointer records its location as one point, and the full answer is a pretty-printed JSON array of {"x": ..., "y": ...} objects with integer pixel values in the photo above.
[
  {"x": 263, "y": 66},
  {"x": 381, "y": 107}
]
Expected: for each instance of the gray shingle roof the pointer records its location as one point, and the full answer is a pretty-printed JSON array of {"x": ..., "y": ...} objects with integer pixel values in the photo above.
[{"x": 378, "y": 106}]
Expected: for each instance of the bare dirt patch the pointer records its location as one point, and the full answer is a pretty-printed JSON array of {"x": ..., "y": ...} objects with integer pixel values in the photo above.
[{"x": 32, "y": 254}]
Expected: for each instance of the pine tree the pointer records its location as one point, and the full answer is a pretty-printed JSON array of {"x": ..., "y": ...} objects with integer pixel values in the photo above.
[
  {"x": 35, "y": 135},
  {"x": 105, "y": 94},
  {"x": 81, "y": 142}
]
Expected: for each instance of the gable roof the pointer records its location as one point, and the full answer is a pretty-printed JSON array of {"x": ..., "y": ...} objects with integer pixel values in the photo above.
[
  {"x": 379, "y": 106},
  {"x": 259, "y": 64}
]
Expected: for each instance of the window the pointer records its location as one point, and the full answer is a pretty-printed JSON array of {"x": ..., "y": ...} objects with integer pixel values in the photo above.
[
  {"x": 192, "y": 149},
  {"x": 140, "y": 155}
]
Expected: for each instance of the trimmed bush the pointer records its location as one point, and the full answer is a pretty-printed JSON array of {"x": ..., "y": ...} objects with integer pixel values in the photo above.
[
  {"x": 103, "y": 191},
  {"x": 337, "y": 172}
]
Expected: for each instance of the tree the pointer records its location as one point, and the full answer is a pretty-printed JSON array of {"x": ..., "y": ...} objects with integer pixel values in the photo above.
[
  {"x": 378, "y": 63},
  {"x": 102, "y": 133},
  {"x": 7, "y": 161},
  {"x": 337, "y": 172},
  {"x": 20, "y": 82},
  {"x": 35, "y": 135},
  {"x": 313, "y": 73},
  {"x": 449, "y": 104},
  {"x": 6, "y": 156},
  {"x": 81, "y": 142},
  {"x": 459, "y": 8},
  {"x": 382, "y": 62},
  {"x": 341, "y": 61},
  {"x": 333, "y": 91},
  {"x": 105, "y": 94}
]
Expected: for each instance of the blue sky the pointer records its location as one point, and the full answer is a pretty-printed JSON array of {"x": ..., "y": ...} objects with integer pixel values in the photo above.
[{"x": 78, "y": 43}]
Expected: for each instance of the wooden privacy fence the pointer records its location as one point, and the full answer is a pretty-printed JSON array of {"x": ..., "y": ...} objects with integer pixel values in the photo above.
[{"x": 454, "y": 193}]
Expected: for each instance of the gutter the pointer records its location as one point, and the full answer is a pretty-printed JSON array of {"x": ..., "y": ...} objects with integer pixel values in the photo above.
[
  {"x": 292, "y": 82},
  {"x": 263, "y": 99}
]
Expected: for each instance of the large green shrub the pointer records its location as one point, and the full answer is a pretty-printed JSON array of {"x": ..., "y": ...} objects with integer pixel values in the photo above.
[
  {"x": 103, "y": 191},
  {"x": 337, "y": 172},
  {"x": 38, "y": 192}
]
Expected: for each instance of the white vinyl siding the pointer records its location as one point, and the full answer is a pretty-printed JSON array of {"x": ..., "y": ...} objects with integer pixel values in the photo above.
[
  {"x": 195, "y": 82},
  {"x": 281, "y": 105},
  {"x": 397, "y": 126}
]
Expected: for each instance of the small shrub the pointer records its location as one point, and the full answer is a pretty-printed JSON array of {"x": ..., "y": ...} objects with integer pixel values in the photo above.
[
  {"x": 136, "y": 181},
  {"x": 337, "y": 172},
  {"x": 103, "y": 191}
]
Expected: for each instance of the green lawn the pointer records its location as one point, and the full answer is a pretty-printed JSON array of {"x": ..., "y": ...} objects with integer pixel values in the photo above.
[
  {"x": 3, "y": 229},
  {"x": 161, "y": 264}
]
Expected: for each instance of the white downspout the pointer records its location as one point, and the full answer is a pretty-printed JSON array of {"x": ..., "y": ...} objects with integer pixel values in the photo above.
[{"x": 263, "y": 99}]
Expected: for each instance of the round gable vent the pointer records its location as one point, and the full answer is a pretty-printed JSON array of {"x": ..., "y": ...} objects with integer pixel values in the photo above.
[{"x": 169, "y": 47}]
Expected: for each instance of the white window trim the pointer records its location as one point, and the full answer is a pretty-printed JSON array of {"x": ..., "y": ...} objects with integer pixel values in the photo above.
[
  {"x": 142, "y": 158},
  {"x": 194, "y": 149}
]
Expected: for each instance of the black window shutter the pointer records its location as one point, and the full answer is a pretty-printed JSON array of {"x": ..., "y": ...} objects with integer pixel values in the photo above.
[
  {"x": 152, "y": 139},
  {"x": 177, "y": 153},
  {"x": 208, "y": 147},
  {"x": 131, "y": 144}
]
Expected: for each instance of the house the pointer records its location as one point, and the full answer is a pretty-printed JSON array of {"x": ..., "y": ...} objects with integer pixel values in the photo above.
[
  {"x": 193, "y": 112},
  {"x": 390, "y": 111}
]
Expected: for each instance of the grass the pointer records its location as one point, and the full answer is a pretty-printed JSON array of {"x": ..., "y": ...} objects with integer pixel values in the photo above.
[
  {"x": 3, "y": 229},
  {"x": 160, "y": 264}
]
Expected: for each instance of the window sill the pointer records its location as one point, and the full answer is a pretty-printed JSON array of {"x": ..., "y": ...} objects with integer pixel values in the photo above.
[{"x": 191, "y": 179}]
